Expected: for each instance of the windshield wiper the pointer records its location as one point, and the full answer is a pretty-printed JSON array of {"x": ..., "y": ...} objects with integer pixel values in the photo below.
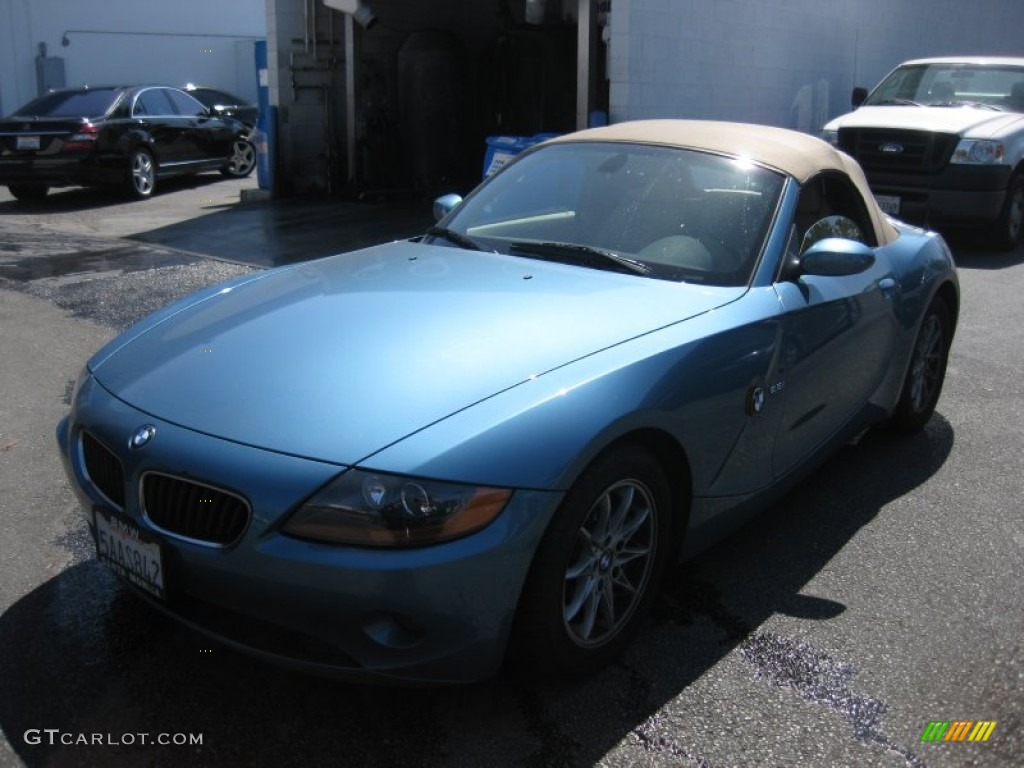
[
  {"x": 458, "y": 238},
  {"x": 897, "y": 102},
  {"x": 596, "y": 257}
]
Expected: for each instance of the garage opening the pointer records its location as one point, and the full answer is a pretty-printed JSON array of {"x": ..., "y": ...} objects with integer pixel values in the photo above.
[{"x": 390, "y": 99}]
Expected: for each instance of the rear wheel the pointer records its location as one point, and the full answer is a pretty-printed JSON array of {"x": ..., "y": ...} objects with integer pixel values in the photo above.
[
  {"x": 923, "y": 385},
  {"x": 594, "y": 574},
  {"x": 242, "y": 160},
  {"x": 1009, "y": 229},
  {"x": 28, "y": 191},
  {"x": 142, "y": 174}
]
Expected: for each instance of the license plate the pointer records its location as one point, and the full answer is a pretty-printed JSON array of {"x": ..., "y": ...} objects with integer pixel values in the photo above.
[
  {"x": 129, "y": 551},
  {"x": 889, "y": 204},
  {"x": 27, "y": 142}
]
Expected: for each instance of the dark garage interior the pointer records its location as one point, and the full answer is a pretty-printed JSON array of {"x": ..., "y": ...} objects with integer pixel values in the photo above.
[{"x": 429, "y": 83}]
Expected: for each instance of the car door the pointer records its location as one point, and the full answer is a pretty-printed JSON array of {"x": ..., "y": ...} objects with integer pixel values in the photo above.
[
  {"x": 207, "y": 138},
  {"x": 837, "y": 331},
  {"x": 156, "y": 115}
]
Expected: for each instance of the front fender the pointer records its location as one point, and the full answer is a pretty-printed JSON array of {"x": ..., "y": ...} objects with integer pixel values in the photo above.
[{"x": 690, "y": 381}]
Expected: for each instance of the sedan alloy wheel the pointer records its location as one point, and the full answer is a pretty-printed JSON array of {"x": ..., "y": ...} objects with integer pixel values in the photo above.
[
  {"x": 143, "y": 174},
  {"x": 242, "y": 160}
]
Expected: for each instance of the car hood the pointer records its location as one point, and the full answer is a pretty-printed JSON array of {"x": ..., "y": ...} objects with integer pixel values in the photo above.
[
  {"x": 337, "y": 358},
  {"x": 977, "y": 123}
]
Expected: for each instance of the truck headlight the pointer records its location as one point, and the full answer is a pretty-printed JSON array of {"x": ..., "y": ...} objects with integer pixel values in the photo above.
[
  {"x": 978, "y": 152},
  {"x": 373, "y": 509},
  {"x": 831, "y": 136}
]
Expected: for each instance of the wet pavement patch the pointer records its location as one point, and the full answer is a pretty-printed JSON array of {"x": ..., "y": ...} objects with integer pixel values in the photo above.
[
  {"x": 816, "y": 676},
  {"x": 118, "y": 258}
]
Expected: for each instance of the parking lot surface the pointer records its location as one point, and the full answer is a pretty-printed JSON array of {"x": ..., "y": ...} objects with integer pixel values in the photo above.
[{"x": 883, "y": 594}]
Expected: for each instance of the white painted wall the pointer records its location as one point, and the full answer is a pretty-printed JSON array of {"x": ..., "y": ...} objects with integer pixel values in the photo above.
[
  {"x": 130, "y": 41},
  {"x": 790, "y": 63}
]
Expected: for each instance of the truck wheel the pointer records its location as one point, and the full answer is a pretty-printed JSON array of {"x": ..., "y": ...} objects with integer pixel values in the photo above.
[{"x": 1010, "y": 225}]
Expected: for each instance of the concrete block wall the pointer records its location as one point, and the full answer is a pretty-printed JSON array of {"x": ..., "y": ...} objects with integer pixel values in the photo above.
[{"x": 790, "y": 63}]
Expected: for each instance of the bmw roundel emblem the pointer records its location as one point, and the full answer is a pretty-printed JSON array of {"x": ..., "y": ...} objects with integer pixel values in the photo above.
[
  {"x": 141, "y": 437},
  {"x": 755, "y": 400}
]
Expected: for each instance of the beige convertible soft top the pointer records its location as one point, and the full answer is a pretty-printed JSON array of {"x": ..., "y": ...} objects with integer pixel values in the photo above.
[{"x": 796, "y": 154}]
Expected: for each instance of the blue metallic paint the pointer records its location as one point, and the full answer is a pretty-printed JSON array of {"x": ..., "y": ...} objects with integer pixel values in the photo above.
[{"x": 271, "y": 385}]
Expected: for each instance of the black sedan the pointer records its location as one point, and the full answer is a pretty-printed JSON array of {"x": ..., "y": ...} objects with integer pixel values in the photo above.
[
  {"x": 225, "y": 104},
  {"x": 127, "y": 136}
]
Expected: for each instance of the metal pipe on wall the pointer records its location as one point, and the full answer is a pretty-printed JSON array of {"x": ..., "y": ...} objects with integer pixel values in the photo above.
[{"x": 350, "y": 96}]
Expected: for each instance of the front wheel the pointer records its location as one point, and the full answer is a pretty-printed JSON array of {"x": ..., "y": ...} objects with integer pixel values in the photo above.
[
  {"x": 923, "y": 384},
  {"x": 242, "y": 160},
  {"x": 1009, "y": 229},
  {"x": 28, "y": 191},
  {"x": 594, "y": 574},
  {"x": 141, "y": 174}
]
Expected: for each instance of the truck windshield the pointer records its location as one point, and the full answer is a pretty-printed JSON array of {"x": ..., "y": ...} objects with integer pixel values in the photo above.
[{"x": 952, "y": 85}]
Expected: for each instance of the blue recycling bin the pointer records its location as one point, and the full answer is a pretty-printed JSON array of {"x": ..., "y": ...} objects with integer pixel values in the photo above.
[{"x": 501, "y": 149}]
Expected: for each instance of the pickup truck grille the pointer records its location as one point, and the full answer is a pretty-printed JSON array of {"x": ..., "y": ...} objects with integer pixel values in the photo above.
[{"x": 894, "y": 151}]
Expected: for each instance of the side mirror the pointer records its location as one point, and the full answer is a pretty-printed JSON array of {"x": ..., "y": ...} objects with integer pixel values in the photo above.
[
  {"x": 836, "y": 257},
  {"x": 858, "y": 96},
  {"x": 445, "y": 205}
]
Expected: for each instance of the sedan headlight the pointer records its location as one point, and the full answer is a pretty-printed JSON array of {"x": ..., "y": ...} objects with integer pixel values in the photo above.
[
  {"x": 978, "y": 152},
  {"x": 372, "y": 509}
]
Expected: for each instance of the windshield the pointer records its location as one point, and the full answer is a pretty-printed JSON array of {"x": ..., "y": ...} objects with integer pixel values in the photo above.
[
  {"x": 953, "y": 85},
  {"x": 91, "y": 103},
  {"x": 658, "y": 212}
]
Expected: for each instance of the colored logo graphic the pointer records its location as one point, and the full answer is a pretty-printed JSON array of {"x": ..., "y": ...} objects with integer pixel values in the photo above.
[{"x": 958, "y": 730}]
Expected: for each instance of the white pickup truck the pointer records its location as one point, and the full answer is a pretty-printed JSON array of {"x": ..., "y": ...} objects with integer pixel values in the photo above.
[{"x": 942, "y": 143}]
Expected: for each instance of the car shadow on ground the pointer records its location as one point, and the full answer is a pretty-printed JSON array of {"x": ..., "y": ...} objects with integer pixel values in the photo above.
[
  {"x": 73, "y": 199},
  {"x": 82, "y": 655}
]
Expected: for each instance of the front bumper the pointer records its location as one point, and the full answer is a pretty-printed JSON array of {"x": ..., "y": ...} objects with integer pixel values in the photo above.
[
  {"x": 429, "y": 614},
  {"x": 968, "y": 195}
]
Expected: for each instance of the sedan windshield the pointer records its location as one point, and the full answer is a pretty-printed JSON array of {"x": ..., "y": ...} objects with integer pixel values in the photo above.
[
  {"x": 952, "y": 85},
  {"x": 85, "y": 103},
  {"x": 650, "y": 211}
]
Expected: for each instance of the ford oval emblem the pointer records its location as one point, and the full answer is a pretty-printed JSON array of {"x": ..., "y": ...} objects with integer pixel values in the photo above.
[
  {"x": 141, "y": 437},
  {"x": 892, "y": 148}
]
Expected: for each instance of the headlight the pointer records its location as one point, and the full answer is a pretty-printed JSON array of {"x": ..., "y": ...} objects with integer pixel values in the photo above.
[
  {"x": 371, "y": 509},
  {"x": 831, "y": 136},
  {"x": 978, "y": 152}
]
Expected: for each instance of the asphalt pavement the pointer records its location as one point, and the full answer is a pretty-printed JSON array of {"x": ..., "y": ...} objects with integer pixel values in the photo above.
[{"x": 881, "y": 595}]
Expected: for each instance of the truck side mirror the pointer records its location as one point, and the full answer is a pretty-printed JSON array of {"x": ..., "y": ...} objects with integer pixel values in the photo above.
[{"x": 858, "y": 96}]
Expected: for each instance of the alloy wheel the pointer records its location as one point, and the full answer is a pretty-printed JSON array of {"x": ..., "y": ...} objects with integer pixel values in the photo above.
[{"x": 611, "y": 563}]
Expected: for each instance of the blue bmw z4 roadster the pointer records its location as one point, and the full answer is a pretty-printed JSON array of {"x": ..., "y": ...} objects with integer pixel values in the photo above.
[{"x": 414, "y": 461}]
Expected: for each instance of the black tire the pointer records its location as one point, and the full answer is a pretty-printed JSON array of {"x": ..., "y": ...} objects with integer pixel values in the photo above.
[
  {"x": 615, "y": 562},
  {"x": 242, "y": 160},
  {"x": 141, "y": 174},
  {"x": 1009, "y": 227},
  {"x": 927, "y": 371},
  {"x": 28, "y": 191}
]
